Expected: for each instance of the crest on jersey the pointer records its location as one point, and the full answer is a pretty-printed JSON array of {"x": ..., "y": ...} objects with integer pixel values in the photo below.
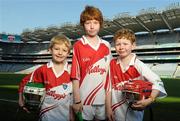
[
  {"x": 65, "y": 86},
  {"x": 105, "y": 58}
]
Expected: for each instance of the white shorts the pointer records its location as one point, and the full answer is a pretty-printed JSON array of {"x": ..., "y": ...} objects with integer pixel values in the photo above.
[{"x": 93, "y": 111}]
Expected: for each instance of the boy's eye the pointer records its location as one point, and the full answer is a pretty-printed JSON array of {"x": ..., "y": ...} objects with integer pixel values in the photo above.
[
  {"x": 65, "y": 50},
  {"x": 56, "y": 48},
  {"x": 87, "y": 22},
  {"x": 118, "y": 44},
  {"x": 126, "y": 43},
  {"x": 96, "y": 22}
]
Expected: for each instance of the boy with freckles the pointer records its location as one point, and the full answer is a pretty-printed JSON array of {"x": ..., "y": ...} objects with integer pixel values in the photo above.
[
  {"x": 126, "y": 67},
  {"x": 90, "y": 64}
]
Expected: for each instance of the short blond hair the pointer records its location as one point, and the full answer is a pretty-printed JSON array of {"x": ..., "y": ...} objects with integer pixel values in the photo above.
[
  {"x": 90, "y": 13},
  {"x": 125, "y": 33},
  {"x": 60, "y": 39}
]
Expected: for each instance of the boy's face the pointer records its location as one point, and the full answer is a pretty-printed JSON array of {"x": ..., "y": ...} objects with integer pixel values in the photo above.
[
  {"x": 124, "y": 47},
  {"x": 59, "y": 53},
  {"x": 91, "y": 27}
]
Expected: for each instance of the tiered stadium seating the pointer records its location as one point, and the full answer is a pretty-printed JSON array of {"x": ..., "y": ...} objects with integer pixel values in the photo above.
[
  {"x": 177, "y": 72},
  {"x": 160, "y": 51},
  {"x": 167, "y": 37},
  {"x": 146, "y": 39},
  {"x": 165, "y": 70}
]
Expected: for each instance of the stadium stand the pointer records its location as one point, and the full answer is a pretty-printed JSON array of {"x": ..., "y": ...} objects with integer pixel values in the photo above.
[
  {"x": 170, "y": 37},
  {"x": 146, "y": 39},
  {"x": 166, "y": 70},
  {"x": 177, "y": 72},
  {"x": 10, "y": 38},
  {"x": 158, "y": 42}
]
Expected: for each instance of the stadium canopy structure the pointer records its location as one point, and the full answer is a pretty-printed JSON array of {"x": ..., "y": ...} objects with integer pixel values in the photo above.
[{"x": 148, "y": 20}]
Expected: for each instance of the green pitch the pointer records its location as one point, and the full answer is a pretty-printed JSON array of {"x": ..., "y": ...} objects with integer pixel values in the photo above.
[{"x": 166, "y": 109}]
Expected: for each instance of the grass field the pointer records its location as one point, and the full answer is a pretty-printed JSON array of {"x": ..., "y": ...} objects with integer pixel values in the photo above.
[{"x": 167, "y": 109}]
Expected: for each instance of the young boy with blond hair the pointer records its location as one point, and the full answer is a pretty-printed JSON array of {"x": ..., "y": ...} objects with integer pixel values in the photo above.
[{"x": 55, "y": 76}]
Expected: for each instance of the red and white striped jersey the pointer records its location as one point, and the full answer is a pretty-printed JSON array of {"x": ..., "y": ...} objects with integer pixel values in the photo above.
[
  {"x": 90, "y": 66},
  {"x": 58, "y": 87},
  {"x": 46, "y": 74},
  {"x": 136, "y": 70}
]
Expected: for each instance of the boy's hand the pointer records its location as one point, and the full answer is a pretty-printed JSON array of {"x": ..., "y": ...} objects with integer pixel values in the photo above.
[
  {"x": 110, "y": 114},
  {"x": 142, "y": 104},
  {"x": 25, "y": 109},
  {"x": 21, "y": 103},
  {"x": 72, "y": 115},
  {"x": 77, "y": 107}
]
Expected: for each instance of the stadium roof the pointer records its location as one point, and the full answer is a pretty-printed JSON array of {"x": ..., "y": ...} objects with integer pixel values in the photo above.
[{"x": 149, "y": 20}]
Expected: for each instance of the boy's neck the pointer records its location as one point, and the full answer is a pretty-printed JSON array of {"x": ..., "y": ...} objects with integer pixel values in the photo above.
[
  {"x": 58, "y": 67},
  {"x": 126, "y": 60},
  {"x": 93, "y": 40}
]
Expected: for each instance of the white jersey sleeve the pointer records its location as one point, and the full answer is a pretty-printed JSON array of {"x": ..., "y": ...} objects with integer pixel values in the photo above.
[{"x": 149, "y": 75}]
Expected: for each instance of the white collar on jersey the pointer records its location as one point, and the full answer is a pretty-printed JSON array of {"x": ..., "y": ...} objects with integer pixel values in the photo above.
[
  {"x": 50, "y": 64},
  {"x": 86, "y": 41},
  {"x": 132, "y": 61}
]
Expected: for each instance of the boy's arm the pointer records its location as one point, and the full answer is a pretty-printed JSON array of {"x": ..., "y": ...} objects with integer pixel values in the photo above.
[
  {"x": 21, "y": 103},
  {"x": 108, "y": 97},
  {"x": 154, "y": 95},
  {"x": 35, "y": 76},
  {"x": 21, "y": 100},
  {"x": 76, "y": 91},
  {"x": 23, "y": 83},
  {"x": 149, "y": 75},
  {"x": 77, "y": 106},
  {"x": 142, "y": 104},
  {"x": 108, "y": 104}
]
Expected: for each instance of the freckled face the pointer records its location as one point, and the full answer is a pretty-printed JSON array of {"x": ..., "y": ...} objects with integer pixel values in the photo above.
[
  {"x": 92, "y": 27},
  {"x": 124, "y": 47}
]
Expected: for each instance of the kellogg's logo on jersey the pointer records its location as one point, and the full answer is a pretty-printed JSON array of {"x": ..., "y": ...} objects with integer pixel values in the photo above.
[
  {"x": 96, "y": 69},
  {"x": 55, "y": 95}
]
